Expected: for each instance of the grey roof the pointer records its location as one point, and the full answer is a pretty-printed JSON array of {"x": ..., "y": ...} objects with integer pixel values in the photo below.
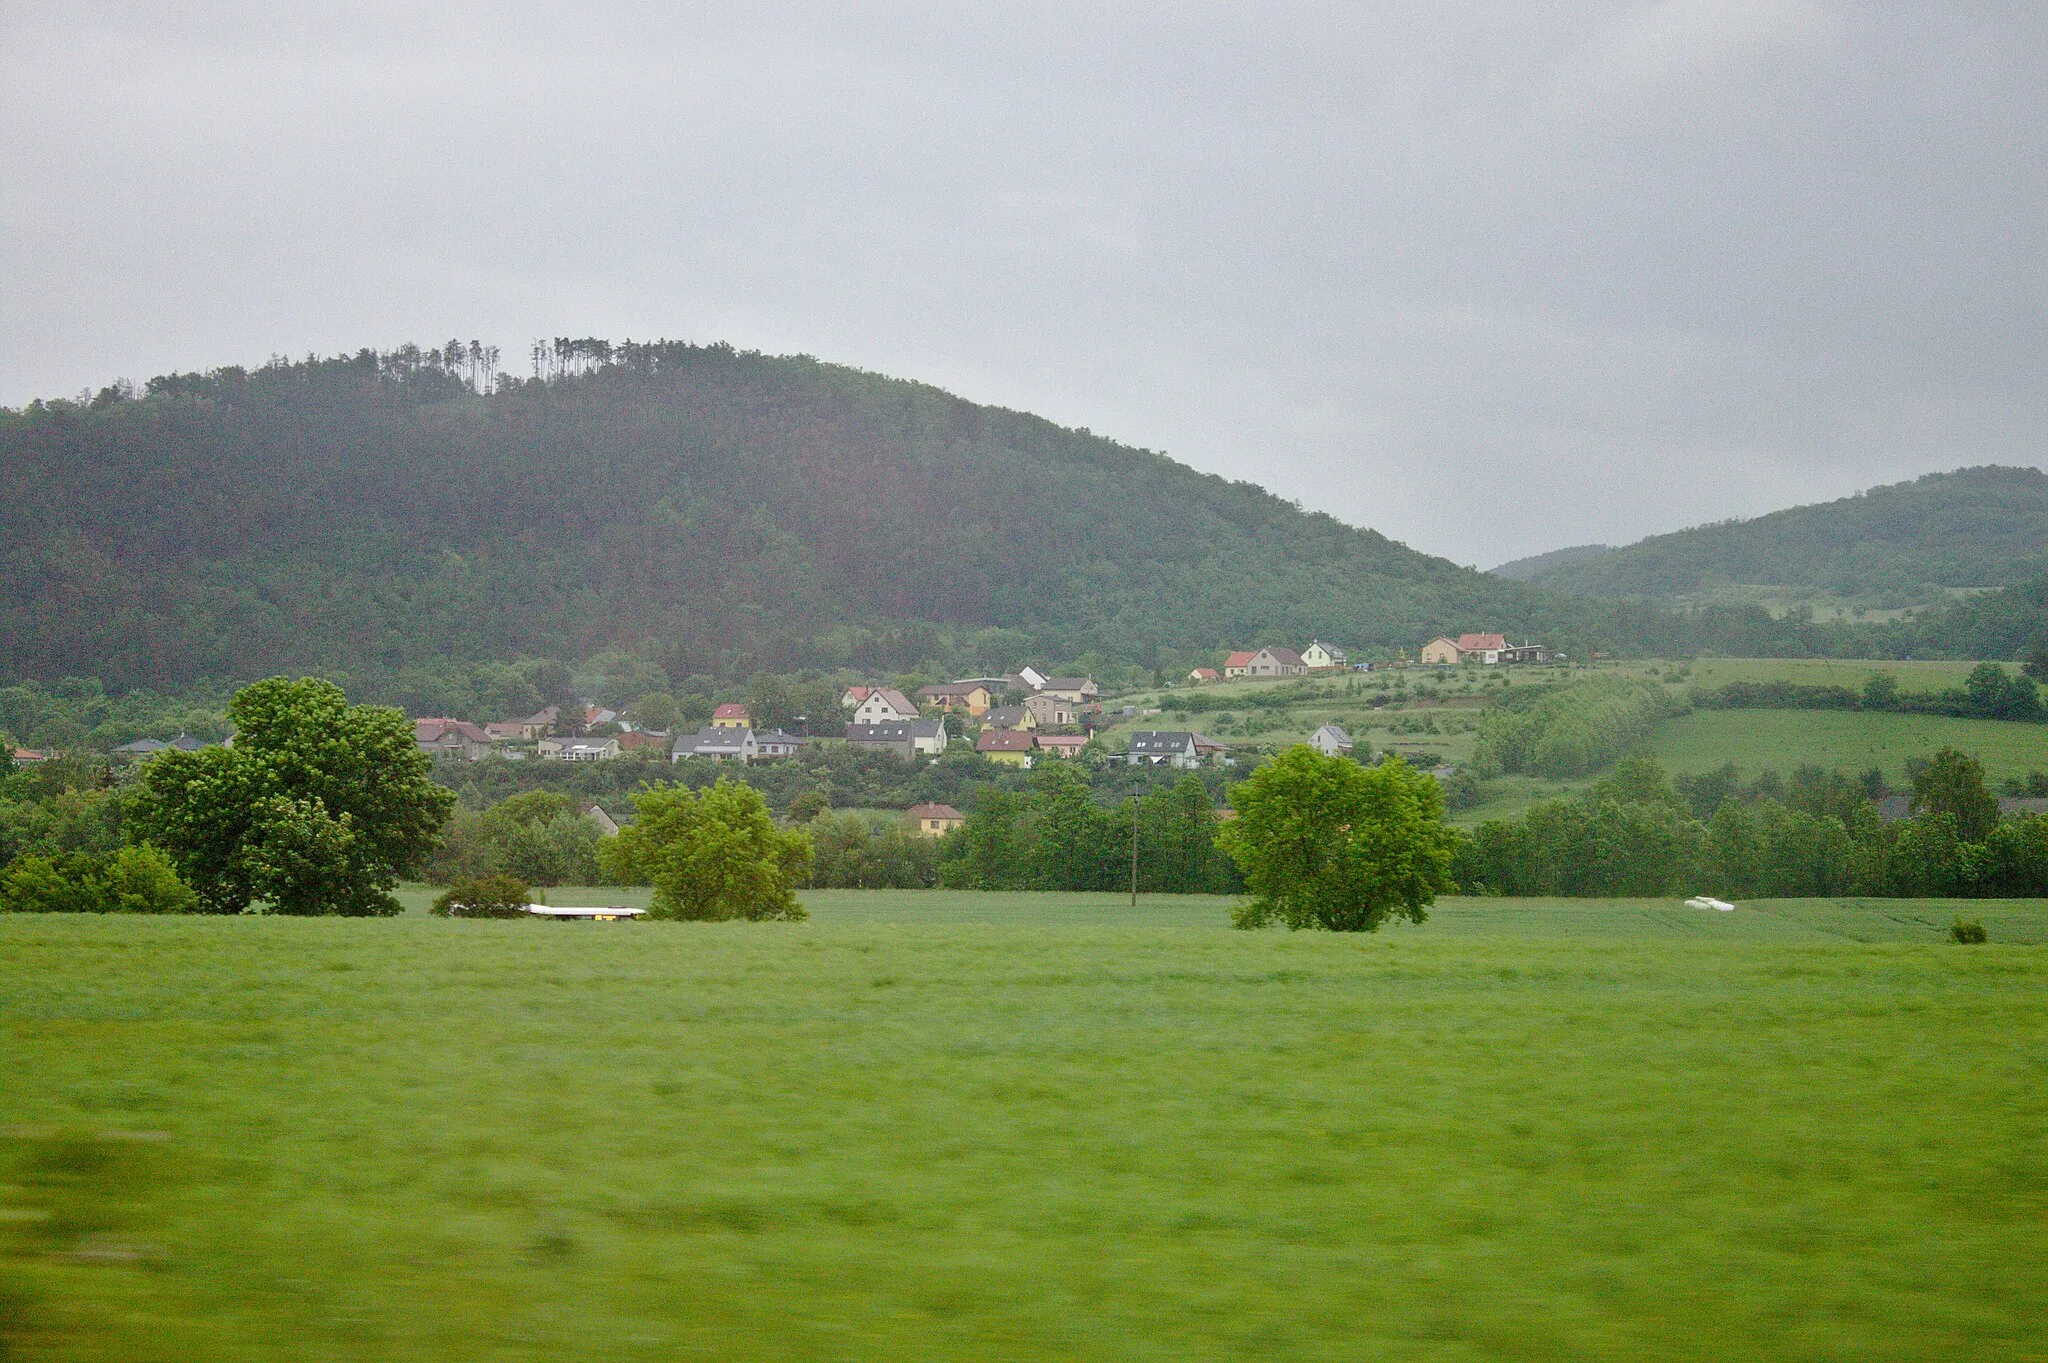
[
  {"x": 1003, "y": 717},
  {"x": 893, "y": 731},
  {"x": 1165, "y": 740},
  {"x": 144, "y": 745}
]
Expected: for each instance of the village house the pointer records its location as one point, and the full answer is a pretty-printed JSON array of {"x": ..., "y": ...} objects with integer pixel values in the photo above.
[
  {"x": 1010, "y": 717},
  {"x": 538, "y": 725},
  {"x": 1322, "y": 657},
  {"x": 1238, "y": 664},
  {"x": 507, "y": 731},
  {"x": 579, "y": 749},
  {"x": 145, "y": 747},
  {"x": 933, "y": 820},
  {"x": 1052, "y": 711},
  {"x": 1275, "y": 662},
  {"x": 732, "y": 715},
  {"x": 1061, "y": 745},
  {"x": 906, "y": 738},
  {"x": 594, "y": 715},
  {"x": 1175, "y": 748},
  {"x": 607, "y": 826},
  {"x": 884, "y": 705},
  {"x": 969, "y": 696},
  {"x": 1202, "y": 675},
  {"x": 719, "y": 742},
  {"x": 1031, "y": 678},
  {"x": 775, "y": 743},
  {"x": 1013, "y": 747},
  {"x": 1331, "y": 741},
  {"x": 1079, "y": 690},
  {"x": 853, "y": 696},
  {"x": 451, "y": 738},
  {"x": 1440, "y": 652},
  {"x": 1484, "y": 649}
]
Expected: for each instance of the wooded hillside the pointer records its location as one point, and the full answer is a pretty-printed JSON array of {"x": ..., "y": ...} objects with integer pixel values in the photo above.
[
  {"x": 730, "y": 511},
  {"x": 1976, "y": 527}
]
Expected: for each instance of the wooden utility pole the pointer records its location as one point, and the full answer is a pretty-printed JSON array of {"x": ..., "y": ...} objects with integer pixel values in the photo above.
[{"x": 1134, "y": 841}]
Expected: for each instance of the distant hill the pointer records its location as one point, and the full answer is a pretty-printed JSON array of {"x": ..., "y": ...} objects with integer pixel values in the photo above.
[
  {"x": 714, "y": 510},
  {"x": 1529, "y": 569},
  {"x": 1975, "y": 527}
]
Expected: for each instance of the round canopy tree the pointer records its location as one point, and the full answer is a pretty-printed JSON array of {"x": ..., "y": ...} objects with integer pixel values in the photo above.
[
  {"x": 1327, "y": 843},
  {"x": 710, "y": 855},
  {"x": 319, "y": 806}
]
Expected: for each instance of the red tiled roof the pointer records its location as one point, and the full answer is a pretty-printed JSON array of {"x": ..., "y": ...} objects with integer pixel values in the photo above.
[
  {"x": 1207, "y": 673},
  {"x": 730, "y": 710},
  {"x": 1005, "y": 740},
  {"x": 935, "y": 812},
  {"x": 1239, "y": 659},
  {"x": 1468, "y": 643}
]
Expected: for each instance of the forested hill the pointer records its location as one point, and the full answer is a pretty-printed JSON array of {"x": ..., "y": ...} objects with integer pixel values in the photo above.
[
  {"x": 1976, "y": 527},
  {"x": 720, "y": 511}
]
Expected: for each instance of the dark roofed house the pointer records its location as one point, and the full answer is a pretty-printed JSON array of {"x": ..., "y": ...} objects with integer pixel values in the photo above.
[
  {"x": 1079, "y": 690},
  {"x": 1174, "y": 748},
  {"x": 1009, "y": 717},
  {"x": 720, "y": 743},
  {"x": 144, "y": 747},
  {"x": 776, "y": 743},
  {"x": 904, "y": 737}
]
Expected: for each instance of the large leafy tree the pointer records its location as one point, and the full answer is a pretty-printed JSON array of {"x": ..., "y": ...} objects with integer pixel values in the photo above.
[
  {"x": 319, "y": 806},
  {"x": 1952, "y": 783},
  {"x": 712, "y": 854},
  {"x": 1327, "y": 843}
]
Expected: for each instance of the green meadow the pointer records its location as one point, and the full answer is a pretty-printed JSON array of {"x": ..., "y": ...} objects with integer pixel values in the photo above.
[
  {"x": 1851, "y": 740},
  {"x": 1029, "y": 1127},
  {"x": 1852, "y": 673}
]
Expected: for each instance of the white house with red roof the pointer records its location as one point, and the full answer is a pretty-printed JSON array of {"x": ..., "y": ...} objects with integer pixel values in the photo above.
[
  {"x": 884, "y": 705},
  {"x": 1238, "y": 664}
]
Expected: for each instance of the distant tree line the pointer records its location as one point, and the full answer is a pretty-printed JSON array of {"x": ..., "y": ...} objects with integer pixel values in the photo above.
[
  {"x": 1989, "y": 692},
  {"x": 1634, "y": 832},
  {"x": 1058, "y": 835}
]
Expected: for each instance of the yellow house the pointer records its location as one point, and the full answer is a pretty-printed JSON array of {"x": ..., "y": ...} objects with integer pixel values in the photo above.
[
  {"x": 933, "y": 820},
  {"x": 972, "y": 697},
  {"x": 1440, "y": 652},
  {"x": 731, "y": 716}
]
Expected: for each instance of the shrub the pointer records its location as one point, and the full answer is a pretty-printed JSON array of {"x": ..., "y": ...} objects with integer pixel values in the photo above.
[
  {"x": 132, "y": 880},
  {"x": 492, "y": 896},
  {"x": 1967, "y": 932}
]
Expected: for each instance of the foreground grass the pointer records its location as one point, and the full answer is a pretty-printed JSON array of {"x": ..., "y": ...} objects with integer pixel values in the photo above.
[{"x": 1022, "y": 1127}]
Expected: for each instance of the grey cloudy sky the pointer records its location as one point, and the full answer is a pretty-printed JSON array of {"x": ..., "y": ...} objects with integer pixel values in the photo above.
[{"x": 1491, "y": 278}]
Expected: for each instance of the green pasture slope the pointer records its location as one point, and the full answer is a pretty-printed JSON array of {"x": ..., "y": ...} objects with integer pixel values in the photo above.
[
  {"x": 1029, "y": 1127},
  {"x": 1851, "y": 740}
]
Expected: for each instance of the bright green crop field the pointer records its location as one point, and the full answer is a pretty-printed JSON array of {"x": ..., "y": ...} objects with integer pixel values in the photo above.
[
  {"x": 954, "y": 1126},
  {"x": 1847, "y": 739}
]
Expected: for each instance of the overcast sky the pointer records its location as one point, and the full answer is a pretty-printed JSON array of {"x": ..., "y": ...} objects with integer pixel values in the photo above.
[{"x": 1490, "y": 278}]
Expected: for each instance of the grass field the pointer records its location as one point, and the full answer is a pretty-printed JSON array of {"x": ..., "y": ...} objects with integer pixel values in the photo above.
[
  {"x": 1913, "y": 676},
  {"x": 1028, "y": 1127},
  {"x": 1851, "y": 740}
]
